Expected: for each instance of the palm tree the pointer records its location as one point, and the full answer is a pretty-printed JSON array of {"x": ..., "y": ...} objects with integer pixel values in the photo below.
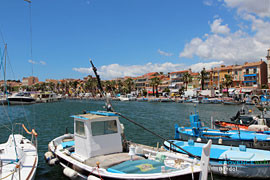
[
  {"x": 187, "y": 78},
  {"x": 203, "y": 76},
  {"x": 119, "y": 85},
  {"x": 181, "y": 91},
  {"x": 153, "y": 83},
  {"x": 129, "y": 83},
  {"x": 228, "y": 82},
  {"x": 157, "y": 83}
]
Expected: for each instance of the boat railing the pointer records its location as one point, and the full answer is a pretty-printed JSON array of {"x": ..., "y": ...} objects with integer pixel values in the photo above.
[{"x": 21, "y": 128}]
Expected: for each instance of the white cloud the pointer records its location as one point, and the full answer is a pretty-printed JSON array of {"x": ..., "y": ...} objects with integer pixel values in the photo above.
[
  {"x": 217, "y": 28},
  {"x": 199, "y": 66},
  {"x": 42, "y": 62},
  {"x": 259, "y": 7},
  {"x": 32, "y": 62},
  {"x": 208, "y": 2},
  {"x": 164, "y": 53},
  {"x": 113, "y": 71},
  {"x": 232, "y": 47}
]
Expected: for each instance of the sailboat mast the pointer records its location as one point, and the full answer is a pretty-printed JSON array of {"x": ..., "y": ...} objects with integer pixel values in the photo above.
[{"x": 5, "y": 70}]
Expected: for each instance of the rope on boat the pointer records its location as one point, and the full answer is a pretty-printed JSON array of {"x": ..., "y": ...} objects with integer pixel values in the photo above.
[
  {"x": 190, "y": 154},
  {"x": 33, "y": 132},
  {"x": 8, "y": 175},
  {"x": 96, "y": 168},
  {"x": 17, "y": 166}
]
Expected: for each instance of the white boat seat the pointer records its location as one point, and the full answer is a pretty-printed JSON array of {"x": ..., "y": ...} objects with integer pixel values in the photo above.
[{"x": 109, "y": 160}]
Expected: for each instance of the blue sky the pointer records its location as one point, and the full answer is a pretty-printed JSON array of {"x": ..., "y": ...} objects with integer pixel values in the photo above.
[{"x": 131, "y": 37}]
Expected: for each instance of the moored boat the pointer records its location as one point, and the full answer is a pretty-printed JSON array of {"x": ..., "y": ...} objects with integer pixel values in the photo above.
[
  {"x": 222, "y": 136},
  {"x": 19, "y": 157},
  {"x": 96, "y": 150},
  {"x": 240, "y": 162},
  {"x": 21, "y": 98}
]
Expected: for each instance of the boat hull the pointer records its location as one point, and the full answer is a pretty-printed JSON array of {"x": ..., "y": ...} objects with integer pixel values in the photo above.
[
  {"x": 241, "y": 171},
  {"x": 238, "y": 167},
  {"x": 248, "y": 144},
  {"x": 84, "y": 171},
  {"x": 19, "y": 101}
]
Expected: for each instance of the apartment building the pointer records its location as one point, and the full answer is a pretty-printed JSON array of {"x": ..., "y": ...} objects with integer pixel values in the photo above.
[
  {"x": 29, "y": 81},
  {"x": 254, "y": 74}
]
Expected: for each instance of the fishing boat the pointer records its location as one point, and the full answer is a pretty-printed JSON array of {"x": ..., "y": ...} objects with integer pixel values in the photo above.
[
  {"x": 246, "y": 120},
  {"x": 240, "y": 162},
  {"x": 96, "y": 150},
  {"x": 222, "y": 136}
]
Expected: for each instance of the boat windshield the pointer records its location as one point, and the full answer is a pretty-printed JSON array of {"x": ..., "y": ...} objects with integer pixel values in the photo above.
[{"x": 103, "y": 127}]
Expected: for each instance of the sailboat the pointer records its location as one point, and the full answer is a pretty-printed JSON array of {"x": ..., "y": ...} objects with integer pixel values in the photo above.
[
  {"x": 3, "y": 97},
  {"x": 18, "y": 155}
]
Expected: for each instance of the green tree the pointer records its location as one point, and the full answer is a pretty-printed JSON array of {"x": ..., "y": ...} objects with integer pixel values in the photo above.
[
  {"x": 203, "y": 76},
  {"x": 227, "y": 82},
  {"x": 187, "y": 78},
  {"x": 129, "y": 84}
]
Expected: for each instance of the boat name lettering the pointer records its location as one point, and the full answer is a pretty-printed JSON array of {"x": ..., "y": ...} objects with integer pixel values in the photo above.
[{"x": 243, "y": 162}]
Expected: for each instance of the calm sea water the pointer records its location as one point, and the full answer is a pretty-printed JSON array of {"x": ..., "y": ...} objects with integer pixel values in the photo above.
[{"x": 52, "y": 119}]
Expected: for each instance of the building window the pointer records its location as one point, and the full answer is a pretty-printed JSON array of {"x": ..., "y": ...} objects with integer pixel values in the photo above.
[
  {"x": 236, "y": 72},
  {"x": 247, "y": 71},
  {"x": 80, "y": 128},
  {"x": 103, "y": 127},
  {"x": 255, "y": 70}
]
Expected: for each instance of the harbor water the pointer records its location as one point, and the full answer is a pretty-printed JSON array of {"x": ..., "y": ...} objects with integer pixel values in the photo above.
[{"x": 53, "y": 119}]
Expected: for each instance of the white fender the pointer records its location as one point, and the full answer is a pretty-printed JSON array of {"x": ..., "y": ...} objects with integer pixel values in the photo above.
[
  {"x": 48, "y": 156},
  {"x": 53, "y": 161},
  {"x": 70, "y": 173},
  {"x": 91, "y": 177}
]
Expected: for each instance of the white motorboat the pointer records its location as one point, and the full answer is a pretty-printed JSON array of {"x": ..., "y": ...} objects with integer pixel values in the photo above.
[
  {"x": 18, "y": 157},
  {"x": 97, "y": 150},
  {"x": 21, "y": 98},
  {"x": 128, "y": 97},
  {"x": 48, "y": 97}
]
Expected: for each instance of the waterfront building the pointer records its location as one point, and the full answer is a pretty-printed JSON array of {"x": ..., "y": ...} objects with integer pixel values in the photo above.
[
  {"x": 29, "y": 81},
  {"x": 268, "y": 67},
  {"x": 165, "y": 82},
  {"x": 177, "y": 80},
  {"x": 219, "y": 75},
  {"x": 237, "y": 76},
  {"x": 254, "y": 74},
  {"x": 142, "y": 82},
  {"x": 196, "y": 82}
]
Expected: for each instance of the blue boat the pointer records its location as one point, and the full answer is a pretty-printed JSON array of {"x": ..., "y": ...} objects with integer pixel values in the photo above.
[
  {"x": 198, "y": 133},
  {"x": 238, "y": 162}
]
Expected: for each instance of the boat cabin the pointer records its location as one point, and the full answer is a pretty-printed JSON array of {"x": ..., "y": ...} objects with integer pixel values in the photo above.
[{"x": 96, "y": 133}]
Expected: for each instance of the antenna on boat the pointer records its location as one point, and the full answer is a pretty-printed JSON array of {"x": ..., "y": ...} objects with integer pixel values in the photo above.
[
  {"x": 110, "y": 108},
  {"x": 108, "y": 104}
]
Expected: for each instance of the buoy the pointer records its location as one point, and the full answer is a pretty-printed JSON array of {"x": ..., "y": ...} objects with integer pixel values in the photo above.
[
  {"x": 70, "y": 173},
  {"x": 91, "y": 177},
  {"x": 53, "y": 161},
  {"x": 219, "y": 141},
  {"x": 199, "y": 139},
  {"x": 48, "y": 156}
]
